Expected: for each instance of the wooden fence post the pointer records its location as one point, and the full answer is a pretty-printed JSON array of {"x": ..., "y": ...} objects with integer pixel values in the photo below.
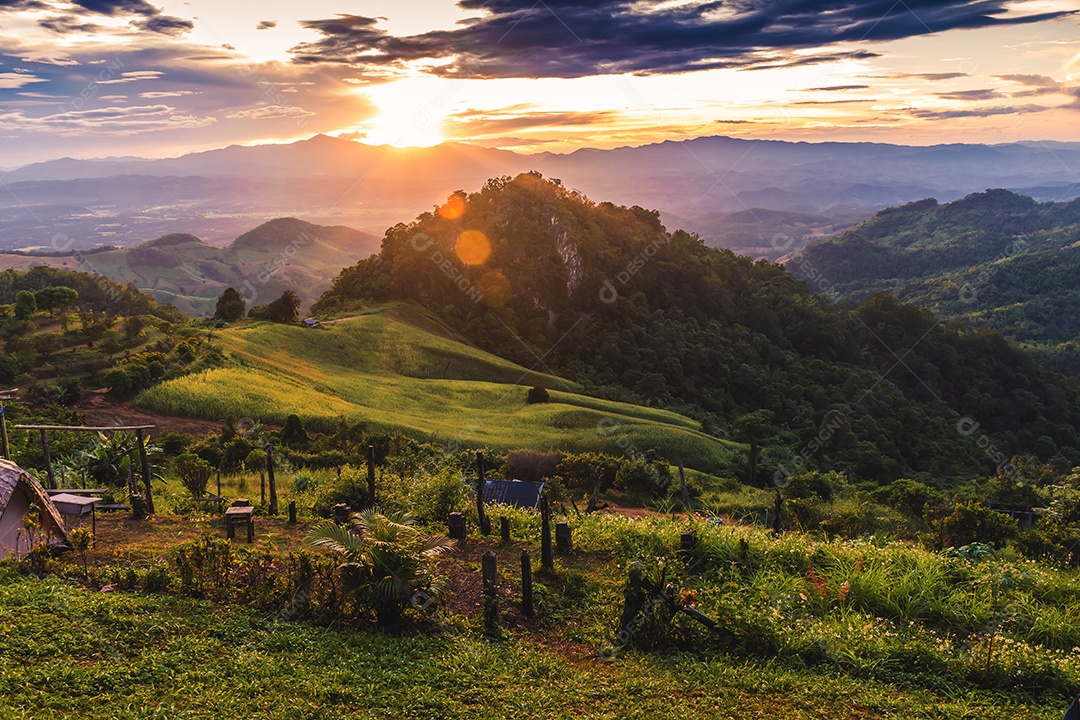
[
  {"x": 562, "y": 537},
  {"x": 685, "y": 490},
  {"x": 145, "y": 466},
  {"x": 48, "y": 459},
  {"x": 292, "y": 512},
  {"x": 456, "y": 528},
  {"x": 485, "y": 523},
  {"x": 547, "y": 559},
  {"x": 491, "y": 598},
  {"x": 504, "y": 528},
  {"x": 526, "y": 585},
  {"x": 370, "y": 475},
  {"x": 270, "y": 475}
]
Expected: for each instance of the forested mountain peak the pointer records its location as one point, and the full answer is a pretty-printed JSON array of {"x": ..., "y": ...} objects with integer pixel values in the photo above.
[{"x": 605, "y": 295}]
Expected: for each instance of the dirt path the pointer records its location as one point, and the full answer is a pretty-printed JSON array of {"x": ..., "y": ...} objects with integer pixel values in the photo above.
[{"x": 100, "y": 409}]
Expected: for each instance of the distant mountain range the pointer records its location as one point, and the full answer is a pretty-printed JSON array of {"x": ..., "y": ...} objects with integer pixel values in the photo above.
[
  {"x": 994, "y": 259},
  {"x": 283, "y": 254},
  {"x": 728, "y": 190}
]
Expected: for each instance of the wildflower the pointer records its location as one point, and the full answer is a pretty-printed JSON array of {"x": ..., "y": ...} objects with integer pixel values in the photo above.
[
  {"x": 859, "y": 565},
  {"x": 844, "y": 589}
]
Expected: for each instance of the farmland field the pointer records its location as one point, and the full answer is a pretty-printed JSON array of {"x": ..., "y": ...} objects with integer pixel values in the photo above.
[{"x": 396, "y": 368}]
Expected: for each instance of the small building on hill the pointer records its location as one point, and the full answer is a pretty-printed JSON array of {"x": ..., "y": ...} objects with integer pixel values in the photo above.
[{"x": 21, "y": 495}]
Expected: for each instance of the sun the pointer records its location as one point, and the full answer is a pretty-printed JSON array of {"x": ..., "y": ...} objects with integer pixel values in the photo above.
[{"x": 411, "y": 113}]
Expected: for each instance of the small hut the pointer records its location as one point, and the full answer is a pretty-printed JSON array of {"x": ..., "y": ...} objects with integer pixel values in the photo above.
[{"x": 20, "y": 495}]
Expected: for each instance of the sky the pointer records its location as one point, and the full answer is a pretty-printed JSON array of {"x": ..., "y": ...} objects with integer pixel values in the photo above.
[{"x": 96, "y": 78}]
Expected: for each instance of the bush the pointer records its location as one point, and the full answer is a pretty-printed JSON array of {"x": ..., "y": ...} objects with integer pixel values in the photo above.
[
  {"x": 194, "y": 473},
  {"x": 531, "y": 466},
  {"x": 350, "y": 488},
  {"x": 537, "y": 395},
  {"x": 975, "y": 523},
  {"x": 304, "y": 481},
  {"x": 293, "y": 434}
]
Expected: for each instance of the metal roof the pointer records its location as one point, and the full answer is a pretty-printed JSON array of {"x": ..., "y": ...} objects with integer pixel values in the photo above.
[{"x": 513, "y": 492}]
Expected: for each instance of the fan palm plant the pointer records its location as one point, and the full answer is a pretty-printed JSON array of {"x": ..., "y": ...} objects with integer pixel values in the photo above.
[{"x": 387, "y": 561}]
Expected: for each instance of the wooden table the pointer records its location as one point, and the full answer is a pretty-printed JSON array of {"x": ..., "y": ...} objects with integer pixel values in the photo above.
[
  {"x": 77, "y": 506},
  {"x": 240, "y": 516}
]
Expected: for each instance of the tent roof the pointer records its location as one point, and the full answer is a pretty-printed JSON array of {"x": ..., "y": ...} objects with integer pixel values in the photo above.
[{"x": 10, "y": 477}]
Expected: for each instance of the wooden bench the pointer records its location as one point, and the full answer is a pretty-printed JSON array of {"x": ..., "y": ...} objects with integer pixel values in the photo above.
[{"x": 240, "y": 515}]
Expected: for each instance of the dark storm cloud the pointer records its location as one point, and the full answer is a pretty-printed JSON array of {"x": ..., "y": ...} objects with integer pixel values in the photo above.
[
  {"x": 118, "y": 7},
  {"x": 575, "y": 38}
]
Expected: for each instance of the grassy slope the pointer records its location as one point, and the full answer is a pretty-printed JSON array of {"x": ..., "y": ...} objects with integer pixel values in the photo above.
[{"x": 395, "y": 367}]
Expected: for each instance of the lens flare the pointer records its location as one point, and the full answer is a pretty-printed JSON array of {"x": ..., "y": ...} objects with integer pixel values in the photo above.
[
  {"x": 473, "y": 247},
  {"x": 453, "y": 208}
]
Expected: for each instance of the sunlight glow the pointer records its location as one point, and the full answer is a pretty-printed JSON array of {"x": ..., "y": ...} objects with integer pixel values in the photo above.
[{"x": 411, "y": 113}]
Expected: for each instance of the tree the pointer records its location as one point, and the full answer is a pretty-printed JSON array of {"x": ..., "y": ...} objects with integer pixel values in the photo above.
[
  {"x": 25, "y": 305},
  {"x": 286, "y": 309},
  {"x": 55, "y": 297},
  {"x": 752, "y": 429},
  {"x": 293, "y": 434},
  {"x": 537, "y": 395},
  {"x": 230, "y": 305}
]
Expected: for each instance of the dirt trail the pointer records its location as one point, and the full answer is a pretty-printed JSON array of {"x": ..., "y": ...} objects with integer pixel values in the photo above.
[{"x": 100, "y": 409}]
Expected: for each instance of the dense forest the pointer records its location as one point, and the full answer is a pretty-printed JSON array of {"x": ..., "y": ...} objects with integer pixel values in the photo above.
[
  {"x": 993, "y": 259},
  {"x": 605, "y": 295}
]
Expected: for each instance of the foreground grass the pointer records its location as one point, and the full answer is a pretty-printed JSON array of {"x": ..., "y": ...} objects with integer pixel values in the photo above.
[
  {"x": 394, "y": 368},
  {"x": 68, "y": 652}
]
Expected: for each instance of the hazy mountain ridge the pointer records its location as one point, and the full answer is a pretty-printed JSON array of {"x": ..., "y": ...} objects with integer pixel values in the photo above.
[
  {"x": 216, "y": 194},
  {"x": 282, "y": 254}
]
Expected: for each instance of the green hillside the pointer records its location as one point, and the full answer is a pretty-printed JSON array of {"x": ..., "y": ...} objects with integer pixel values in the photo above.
[
  {"x": 395, "y": 367},
  {"x": 993, "y": 259}
]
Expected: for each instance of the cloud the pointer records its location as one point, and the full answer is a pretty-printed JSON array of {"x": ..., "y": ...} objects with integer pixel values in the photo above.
[
  {"x": 977, "y": 112},
  {"x": 132, "y": 76},
  {"x": 577, "y": 38},
  {"x": 1030, "y": 80},
  {"x": 929, "y": 77},
  {"x": 117, "y": 7},
  {"x": 166, "y": 25},
  {"x": 166, "y": 94},
  {"x": 106, "y": 121},
  {"x": 837, "y": 88},
  {"x": 9, "y": 81},
  {"x": 269, "y": 112},
  {"x": 968, "y": 95},
  {"x": 488, "y": 122},
  {"x": 65, "y": 24},
  {"x": 266, "y": 25}
]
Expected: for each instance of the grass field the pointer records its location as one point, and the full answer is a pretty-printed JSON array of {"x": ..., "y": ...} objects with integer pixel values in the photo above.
[
  {"x": 396, "y": 368},
  {"x": 908, "y": 640}
]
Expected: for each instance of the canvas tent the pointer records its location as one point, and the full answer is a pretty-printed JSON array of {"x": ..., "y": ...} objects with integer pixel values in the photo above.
[{"x": 21, "y": 494}]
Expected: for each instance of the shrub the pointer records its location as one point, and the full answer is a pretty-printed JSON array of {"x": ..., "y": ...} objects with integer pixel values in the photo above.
[
  {"x": 975, "y": 523},
  {"x": 293, "y": 434},
  {"x": 304, "y": 481},
  {"x": 349, "y": 488},
  {"x": 387, "y": 563},
  {"x": 530, "y": 465},
  {"x": 537, "y": 395},
  {"x": 194, "y": 473}
]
